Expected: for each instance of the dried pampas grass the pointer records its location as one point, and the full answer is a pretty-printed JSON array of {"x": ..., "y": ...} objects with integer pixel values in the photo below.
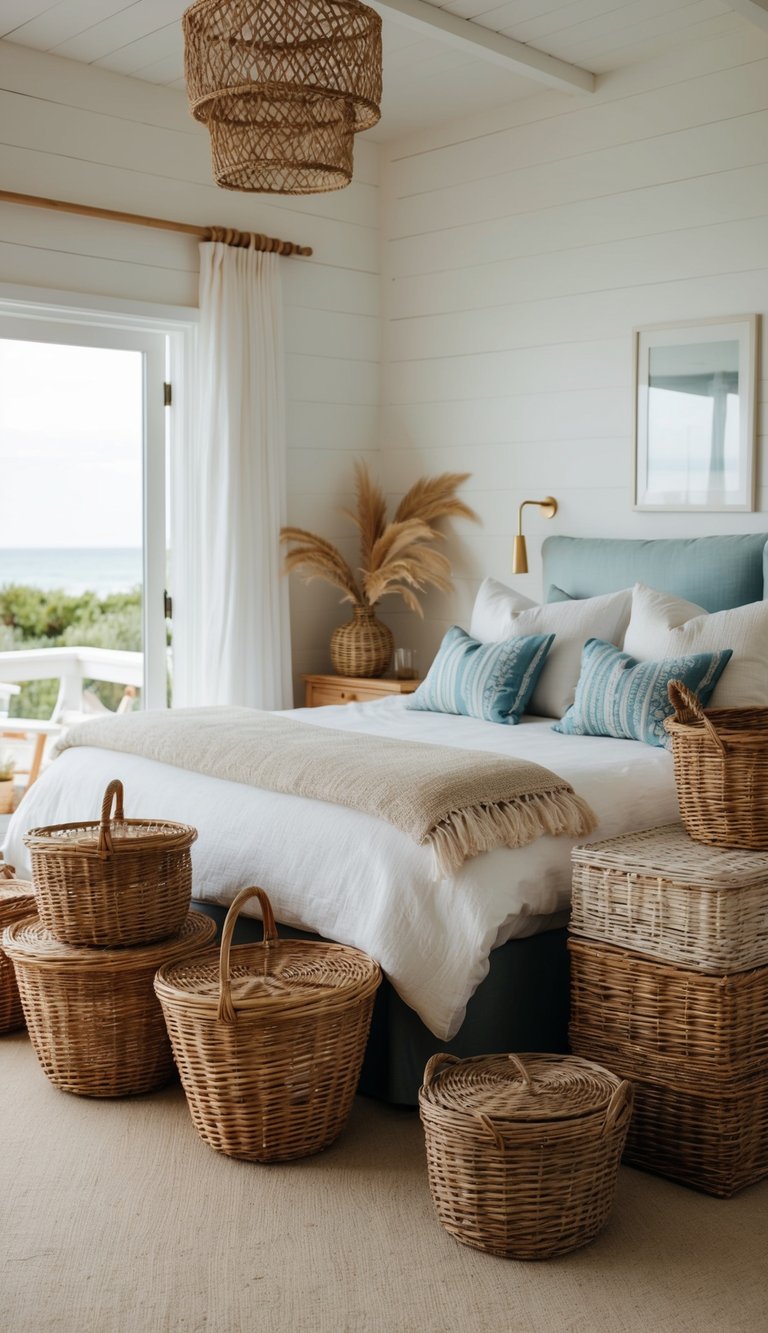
[{"x": 397, "y": 558}]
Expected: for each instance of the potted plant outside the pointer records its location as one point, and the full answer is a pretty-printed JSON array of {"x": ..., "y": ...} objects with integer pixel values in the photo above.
[{"x": 7, "y": 770}]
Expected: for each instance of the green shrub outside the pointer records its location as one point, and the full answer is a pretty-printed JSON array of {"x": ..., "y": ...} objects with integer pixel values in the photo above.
[{"x": 39, "y": 618}]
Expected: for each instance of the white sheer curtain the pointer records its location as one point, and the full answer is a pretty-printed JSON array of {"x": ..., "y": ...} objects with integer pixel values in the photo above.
[{"x": 231, "y": 633}]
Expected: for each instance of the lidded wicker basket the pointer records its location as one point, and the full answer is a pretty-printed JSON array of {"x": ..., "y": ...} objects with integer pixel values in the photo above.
[
  {"x": 721, "y": 770},
  {"x": 115, "y": 881},
  {"x": 269, "y": 1038},
  {"x": 93, "y": 1018},
  {"x": 17, "y": 899},
  {"x": 523, "y": 1151}
]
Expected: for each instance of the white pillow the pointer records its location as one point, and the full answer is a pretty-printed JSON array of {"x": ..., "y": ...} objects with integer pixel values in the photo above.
[
  {"x": 665, "y": 626},
  {"x": 501, "y": 613},
  {"x": 495, "y": 606}
]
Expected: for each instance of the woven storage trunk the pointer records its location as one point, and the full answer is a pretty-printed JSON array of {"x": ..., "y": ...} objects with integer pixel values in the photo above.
[
  {"x": 523, "y": 1151},
  {"x": 269, "y": 1038},
  {"x": 713, "y": 1138},
  {"x": 721, "y": 770},
  {"x": 113, "y": 882},
  {"x": 661, "y": 894},
  {"x": 666, "y": 1022},
  {"x": 16, "y": 900},
  {"x": 92, "y": 1015}
]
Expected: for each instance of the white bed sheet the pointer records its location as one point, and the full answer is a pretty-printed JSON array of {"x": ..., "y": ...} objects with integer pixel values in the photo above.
[{"x": 356, "y": 879}]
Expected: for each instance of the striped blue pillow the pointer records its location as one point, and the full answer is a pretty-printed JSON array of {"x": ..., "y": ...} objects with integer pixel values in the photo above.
[
  {"x": 618, "y": 696},
  {"x": 493, "y": 681}
]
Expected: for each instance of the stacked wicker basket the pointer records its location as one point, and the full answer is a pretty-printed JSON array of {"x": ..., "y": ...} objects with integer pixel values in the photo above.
[
  {"x": 16, "y": 900},
  {"x": 113, "y": 899},
  {"x": 669, "y": 987}
]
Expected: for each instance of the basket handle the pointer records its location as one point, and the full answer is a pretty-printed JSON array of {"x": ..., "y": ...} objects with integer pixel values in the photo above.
[
  {"x": 114, "y": 793},
  {"x": 687, "y": 706},
  {"x": 7, "y": 872},
  {"x": 433, "y": 1064},
  {"x": 226, "y": 1011},
  {"x": 620, "y": 1101}
]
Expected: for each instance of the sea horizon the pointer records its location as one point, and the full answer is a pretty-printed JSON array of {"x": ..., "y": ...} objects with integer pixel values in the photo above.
[{"x": 72, "y": 569}]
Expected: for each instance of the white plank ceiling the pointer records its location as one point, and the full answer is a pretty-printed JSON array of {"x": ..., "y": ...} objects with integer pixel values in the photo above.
[{"x": 426, "y": 79}]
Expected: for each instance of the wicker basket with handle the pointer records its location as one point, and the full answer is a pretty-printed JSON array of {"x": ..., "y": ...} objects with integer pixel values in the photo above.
[
  {"x": 523, "y": 1151},
  {"x": 721, "y": 770},
  {"x": 17, "y": 899},
  {"x": 95, "y": 1023},
  {"x": 269, "y": 1038},
  {"x": 114, "y": 881}
]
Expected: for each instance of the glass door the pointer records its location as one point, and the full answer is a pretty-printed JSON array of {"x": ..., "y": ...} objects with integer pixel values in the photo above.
[{"x": 82, "y": 517}]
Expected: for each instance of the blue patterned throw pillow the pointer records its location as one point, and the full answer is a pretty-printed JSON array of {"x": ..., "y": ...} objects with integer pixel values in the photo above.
[
  {"x": 493, "y": 681},
  {"x": 618, "y": 696}
]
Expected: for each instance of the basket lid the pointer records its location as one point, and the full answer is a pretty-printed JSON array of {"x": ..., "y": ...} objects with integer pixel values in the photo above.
[
  {"x": 276, "y": 974},
  {"x": 113, "y": 833},
  {"x": 28, "y": 939},
  {"x": 668, "y": 853},
  {"x": 16, "y": 895},
  {"x": 288, "y": 973},
  {"x": 531, "y": 1088}
]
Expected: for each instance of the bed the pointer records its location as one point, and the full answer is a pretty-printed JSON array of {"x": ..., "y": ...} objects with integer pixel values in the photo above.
[{"x": 475, "y": 961}]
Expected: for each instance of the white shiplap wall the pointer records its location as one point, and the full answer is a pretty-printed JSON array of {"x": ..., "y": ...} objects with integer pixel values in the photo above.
[
  {"x": 520, "y": 250},
  {"x": 78, "y": 133}
]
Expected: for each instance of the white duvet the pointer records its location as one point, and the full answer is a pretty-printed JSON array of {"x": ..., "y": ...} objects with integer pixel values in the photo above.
[{"x": 356, "y": 879}]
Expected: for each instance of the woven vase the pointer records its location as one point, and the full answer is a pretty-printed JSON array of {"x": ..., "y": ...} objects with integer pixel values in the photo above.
[{"x": 363, "y": 646}]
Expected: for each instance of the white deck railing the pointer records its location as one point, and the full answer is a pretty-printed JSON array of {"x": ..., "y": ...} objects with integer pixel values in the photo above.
[{"x": 72, "y": 666}]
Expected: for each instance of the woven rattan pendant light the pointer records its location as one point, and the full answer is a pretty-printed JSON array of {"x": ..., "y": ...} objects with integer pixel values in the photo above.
[{"x": 283, "y": 85}]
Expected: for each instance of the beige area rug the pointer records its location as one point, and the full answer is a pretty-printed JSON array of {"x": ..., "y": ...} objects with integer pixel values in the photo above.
[{"x": 116, "y": 1218}]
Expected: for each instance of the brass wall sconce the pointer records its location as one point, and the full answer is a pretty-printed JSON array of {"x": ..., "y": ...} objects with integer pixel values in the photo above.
[{"x": 548, "y": 507}]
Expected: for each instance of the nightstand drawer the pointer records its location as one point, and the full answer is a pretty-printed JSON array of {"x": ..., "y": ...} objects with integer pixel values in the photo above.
[
  {"x": 330, "y": 694},
  {"x": 327, "y": 689}
]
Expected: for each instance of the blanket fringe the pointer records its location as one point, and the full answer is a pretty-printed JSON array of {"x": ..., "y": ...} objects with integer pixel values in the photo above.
[{"x": 480, "y": 828}]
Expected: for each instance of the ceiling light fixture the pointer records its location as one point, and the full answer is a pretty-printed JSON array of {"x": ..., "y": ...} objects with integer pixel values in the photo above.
[{"x": 283, "y": 86}]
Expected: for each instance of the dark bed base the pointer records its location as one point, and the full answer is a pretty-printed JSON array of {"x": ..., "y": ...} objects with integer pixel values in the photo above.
[{"x": 521, "y": 1006}]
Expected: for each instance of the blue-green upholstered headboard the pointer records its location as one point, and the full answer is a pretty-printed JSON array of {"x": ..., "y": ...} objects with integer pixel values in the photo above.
[{"x": 714, "y": 572}]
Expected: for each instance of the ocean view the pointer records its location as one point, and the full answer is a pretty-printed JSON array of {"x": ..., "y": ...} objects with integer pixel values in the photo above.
[{"x": 99, "y": 569}]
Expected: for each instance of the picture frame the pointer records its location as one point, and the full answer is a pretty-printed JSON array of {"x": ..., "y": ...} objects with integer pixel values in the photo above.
[{"x": 695, "y": 390}]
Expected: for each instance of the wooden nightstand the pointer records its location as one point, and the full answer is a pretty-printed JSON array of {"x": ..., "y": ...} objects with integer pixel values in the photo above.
[{"x": 319, "y": 690}]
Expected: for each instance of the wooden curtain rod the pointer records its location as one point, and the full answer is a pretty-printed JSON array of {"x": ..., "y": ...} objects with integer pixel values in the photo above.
[{"x": 243, "y": 239}]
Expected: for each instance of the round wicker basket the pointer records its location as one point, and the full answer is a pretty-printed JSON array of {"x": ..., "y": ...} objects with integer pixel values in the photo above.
[
  {"x": 93, "y": 1018},
  {"x": 17, "y": 899},
  {"x": 112, "y": 882},
  {"x": 721, "y": 770},
  {"x": 269, "y": 1038},
  {"x": 363, "y": 646},
  {"x": 523, "y": 1151}
]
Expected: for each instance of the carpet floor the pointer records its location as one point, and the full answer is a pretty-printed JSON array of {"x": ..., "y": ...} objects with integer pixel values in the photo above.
[{"x": 115, "y": 1217}]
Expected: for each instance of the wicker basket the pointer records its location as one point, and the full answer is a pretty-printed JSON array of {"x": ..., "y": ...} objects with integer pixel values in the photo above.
[
  {"x": 661, "y": 894},
  {"x": 664, "y": 1022},
  {"x": 721, "y": 770},
  {"x": 16, "y": 900},
  {"x": 713, "y": 1138},
  {"x": 116, "y": 882},
  {"x": 92, "y": 1015},
  {"x": 523, "y": 1151},
  {"x": 269, "y": 1038}
]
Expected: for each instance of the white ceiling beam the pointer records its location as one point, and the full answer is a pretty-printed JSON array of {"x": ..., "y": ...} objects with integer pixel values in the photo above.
[
  {"x": 754, "y": 10},
  {"x": 484, "y": 44}
]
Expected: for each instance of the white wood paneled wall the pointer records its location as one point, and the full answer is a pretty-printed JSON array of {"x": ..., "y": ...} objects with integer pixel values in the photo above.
[
  {"x": 78, "y": 133},
  {"x": 520, "y": 250}
]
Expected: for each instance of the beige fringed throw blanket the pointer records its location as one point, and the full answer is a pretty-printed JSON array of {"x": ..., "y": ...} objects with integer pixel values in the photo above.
[{"x": 458, "y": 802}]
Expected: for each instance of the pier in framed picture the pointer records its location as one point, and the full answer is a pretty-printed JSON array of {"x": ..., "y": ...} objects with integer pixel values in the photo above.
[{"x": 695, "y": 388}]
